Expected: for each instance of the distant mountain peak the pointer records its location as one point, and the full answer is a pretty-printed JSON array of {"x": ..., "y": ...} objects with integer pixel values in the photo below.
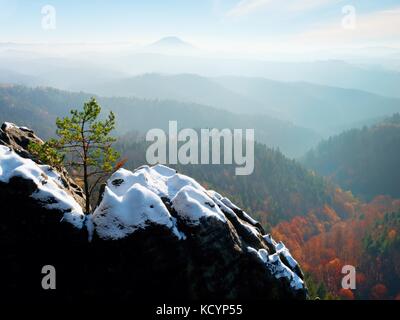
[
  {"x": 171, "y": 45},
  {"x": 171, "y": 41}
]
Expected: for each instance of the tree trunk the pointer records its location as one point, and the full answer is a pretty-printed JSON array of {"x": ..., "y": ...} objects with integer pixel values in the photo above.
[{"x": 86, "y": 186}]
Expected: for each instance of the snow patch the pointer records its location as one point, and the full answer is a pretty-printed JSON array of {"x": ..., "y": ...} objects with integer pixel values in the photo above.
[
  {"x": 275, "y": 265},
  {"x": 133, "y": 200},
  {"x": 120, "y": 215},
  {"x": 9, "y": 125},
  {"x": 217, "y": 199},
  {"x": 227, "y": 206},
  {"x": 89, "y": 226},
  {"x": 163, "y": 181},
  {"x": 282, "y": 250},
  {"x": 269, "y": 240},
  {"x": 50, "y": 190},
  {"x": 192, "y": 204}
]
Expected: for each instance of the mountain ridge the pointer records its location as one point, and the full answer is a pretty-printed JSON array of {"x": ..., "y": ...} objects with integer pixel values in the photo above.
[
  {"x": 39, "y": 107},
  {"x": 303, "y": 103},
  {"x": 362, "y": 160}
]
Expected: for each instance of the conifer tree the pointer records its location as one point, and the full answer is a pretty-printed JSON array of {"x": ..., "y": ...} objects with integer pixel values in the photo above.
[{"x": 84, "y": 144}]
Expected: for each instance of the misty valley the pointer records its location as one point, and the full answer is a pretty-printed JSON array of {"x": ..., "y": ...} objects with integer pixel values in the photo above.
[{"x": 214, "y": 151}]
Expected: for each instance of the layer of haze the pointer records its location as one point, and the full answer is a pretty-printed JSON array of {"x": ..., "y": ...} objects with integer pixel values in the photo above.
[{"x": 301, "y": 62}]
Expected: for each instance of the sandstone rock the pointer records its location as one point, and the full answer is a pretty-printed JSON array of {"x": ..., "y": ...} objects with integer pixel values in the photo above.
[{"x": 156, "y": 235}]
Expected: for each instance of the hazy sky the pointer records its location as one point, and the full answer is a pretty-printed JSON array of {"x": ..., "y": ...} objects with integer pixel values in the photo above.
[{"x": 213, "y": 24}]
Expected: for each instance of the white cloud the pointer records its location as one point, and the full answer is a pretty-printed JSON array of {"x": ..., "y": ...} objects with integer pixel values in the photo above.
[
  {"x": 246, "y": 7},
  {"x": 377, "y": 27},
  {"x": 304, "y": 5}
]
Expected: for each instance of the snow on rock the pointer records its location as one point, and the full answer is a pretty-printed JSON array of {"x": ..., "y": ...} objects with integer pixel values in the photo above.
[
  {"x": 8, "y": 125},
  {"x": 231, "y": 209},
  {"x": 120, "y": 215},
  {"x": 163, "y": 181},
  {"x": 50, "y": 190},
  {"x": 282, "y": 250},
  {"x": 269, "y": 240},
  {"x": 191, "y": 204},
  {"x": 137, "y": 202},
  {"x": 133, "y": 200},
  {"x": 217, "y": 198},
  {"x": 149, "y": 195},
  {"x": 276, "y": 266}
]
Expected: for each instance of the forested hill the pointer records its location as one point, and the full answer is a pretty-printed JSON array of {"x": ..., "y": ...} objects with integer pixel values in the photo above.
[
  {"x": 325, "y": 226},
  {"x": 365, "y": 161},
  {"x": 278, "y": 190},
  {"x": 37, "y": 108}
]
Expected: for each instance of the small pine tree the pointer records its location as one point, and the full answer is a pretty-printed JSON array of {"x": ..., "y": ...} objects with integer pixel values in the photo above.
[{"x": 84, "y": 144}]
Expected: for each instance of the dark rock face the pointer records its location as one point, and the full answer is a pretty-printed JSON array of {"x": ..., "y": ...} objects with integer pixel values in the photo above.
[
  {"x": 170, "y": 258},
  {"x": 32, "y": 235},
  {"x": 18, "y": 139}
]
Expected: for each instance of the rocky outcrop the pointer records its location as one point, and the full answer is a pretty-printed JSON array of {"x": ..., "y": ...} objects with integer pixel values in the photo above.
[
  {"x": 41, "y": 220},
  {"x": 19, "y": 138},
  {"x": 156, "y": 234}
]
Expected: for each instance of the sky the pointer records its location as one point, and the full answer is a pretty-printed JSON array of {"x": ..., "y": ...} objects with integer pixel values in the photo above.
[{"x": 213, "y": 24}]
